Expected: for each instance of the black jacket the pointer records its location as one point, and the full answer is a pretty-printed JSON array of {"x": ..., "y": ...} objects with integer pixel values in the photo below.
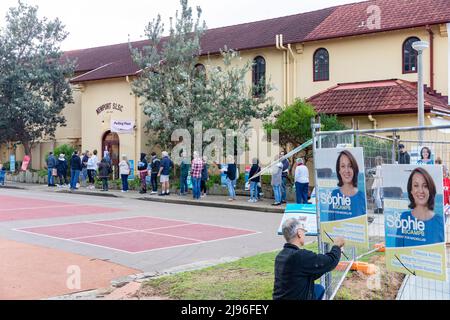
[
  {"x": 156, "y": 165},
  {"x": 404, "y": 158},
  {"x": 231, "y": 171},
  {"x": 75, "y": 163},
  {"x": 254, "y": 170},
  {"x": 61, "y": 166},
  {"x": 143, "y": 164},
  {"x": 104, "y": 169},
  {"x": 297, "y": 269}
]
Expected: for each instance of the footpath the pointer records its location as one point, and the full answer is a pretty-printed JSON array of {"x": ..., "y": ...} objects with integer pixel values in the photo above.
[{"x": 216, "y": 201}]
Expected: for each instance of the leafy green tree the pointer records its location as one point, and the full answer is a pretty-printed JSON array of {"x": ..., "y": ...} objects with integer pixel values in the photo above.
[
  {"x": 176, "y": 92},
  {"x": 294, "y": 125},
  {"x": 33, "y": 78}
]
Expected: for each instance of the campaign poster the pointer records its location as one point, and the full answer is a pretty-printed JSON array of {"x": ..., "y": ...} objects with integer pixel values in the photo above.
[
  {"x": 25, "y": 163},
  {"x": 131, "y": 176},
  {"x": 414, "y": 220},
  {"x": 247, "y": 176},
  {"x": 12, "y": 163},
  {"x": 306, "y": 213},
  {"x": 223, "y": 176},
  {"x": 341, "y": 191}
]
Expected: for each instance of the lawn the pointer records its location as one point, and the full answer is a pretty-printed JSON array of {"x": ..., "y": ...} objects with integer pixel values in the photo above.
[{"x": 246, "y": 279}]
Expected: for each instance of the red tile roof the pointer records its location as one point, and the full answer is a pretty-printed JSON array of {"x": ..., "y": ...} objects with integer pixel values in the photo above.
[
  {"x": 340, "y": 21},
  {"x": 377, "y": 97},
  {"x": 351, "y": 19}
]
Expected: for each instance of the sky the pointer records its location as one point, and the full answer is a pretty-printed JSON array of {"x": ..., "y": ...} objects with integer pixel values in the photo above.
[{"x": 93, "y": 23}]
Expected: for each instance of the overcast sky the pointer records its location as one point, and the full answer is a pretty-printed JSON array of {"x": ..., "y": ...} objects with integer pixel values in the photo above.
[{"x": 93, "y": 23}]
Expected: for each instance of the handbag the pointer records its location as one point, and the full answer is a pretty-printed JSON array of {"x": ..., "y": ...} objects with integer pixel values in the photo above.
[{"x": 54, "y": 172}]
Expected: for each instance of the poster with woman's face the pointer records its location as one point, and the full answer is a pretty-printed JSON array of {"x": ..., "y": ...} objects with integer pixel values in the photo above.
[
  {"x": 414, "y": 220},
  {"x": 342, "y": 196}
]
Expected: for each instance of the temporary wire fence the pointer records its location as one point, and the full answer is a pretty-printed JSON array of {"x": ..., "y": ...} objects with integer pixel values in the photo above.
[{"x": 381, "y": 146}]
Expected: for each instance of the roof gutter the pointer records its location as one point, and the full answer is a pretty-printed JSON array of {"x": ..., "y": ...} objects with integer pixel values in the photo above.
[{"x": 279, "y": 45}]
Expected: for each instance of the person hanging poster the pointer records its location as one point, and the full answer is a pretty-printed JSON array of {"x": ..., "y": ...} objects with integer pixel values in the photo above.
[
  {"x": 342, "y": 196},
  {"x": 414, "y": 220}
]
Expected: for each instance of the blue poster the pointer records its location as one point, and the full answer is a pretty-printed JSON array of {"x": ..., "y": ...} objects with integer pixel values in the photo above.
[
  {"x": 131, "y": 176},
  {"x": 12, "y": 163},
  {"x": 223, "y": 176},
  {"x": 342, "y": 196},
  {"x": 414, "y": 220},
  {"x": 306, "y": 213}
]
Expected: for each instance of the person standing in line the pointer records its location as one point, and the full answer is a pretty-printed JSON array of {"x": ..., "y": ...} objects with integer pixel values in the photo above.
[
  {"x": 155, "y": 166},
  {"x": 51, "y": 165},
  {"x": 184, "y": 173},
  {"x": 92, "y": 167},
  {"x": 231, "y": 171},
  {"x": 143, "y": 171},
  {"x": 277, "y": 172},
  {"x": 205, "y": 177},
  {"x": 301, "y": 182},
  {"x": 104, "y": 170},
  {"x": 196, "y": 174},
  {"x": 75, "y": 167},
  {"x": 124, "y": 171},
  {"x": 61, "y": 167},
  {"x": 377, "y": 186},
  {"x": 284, "y": 176},
  {"x": 84, "y": 170},
  {"x": 164, "y": 173},
  {"x": 255, "y": 169},
  {"x": 404, "y": 157}
]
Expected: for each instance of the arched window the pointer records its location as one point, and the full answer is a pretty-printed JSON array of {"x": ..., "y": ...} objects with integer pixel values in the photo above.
[
  {"x": 410, "y": 56},
  {"x": 321, "y": 65},
  {"x": 200, "y": 70},
  {"x": 259, "y": 76}
]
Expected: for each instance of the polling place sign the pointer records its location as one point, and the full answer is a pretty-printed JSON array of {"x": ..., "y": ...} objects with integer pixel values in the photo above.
[
  {"x": 122, "y": 127},
  {"x": 414, "y": 220},
  {"x": 341, "y": 192}
]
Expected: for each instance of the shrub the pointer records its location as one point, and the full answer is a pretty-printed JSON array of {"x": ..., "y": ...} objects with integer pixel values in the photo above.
[{"x": 66, "y": 150}]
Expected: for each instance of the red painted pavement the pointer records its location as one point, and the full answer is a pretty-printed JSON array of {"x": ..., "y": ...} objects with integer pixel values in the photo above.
[
  {"x": 135, "y": 242},
  {"x": 127, "y": 235},
  {"x": 15, "y": 208},
  {"x": 76, "y": 230},
  {"x": 142, "y": 223},
  {"x": 203, "y": 232}
]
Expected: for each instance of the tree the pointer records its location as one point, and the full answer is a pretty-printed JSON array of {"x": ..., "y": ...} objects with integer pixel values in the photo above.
[
  {"x": 294, "y": 125},
  {"x": 33, "y": 79},
  {"x": 176, "y": 92}
]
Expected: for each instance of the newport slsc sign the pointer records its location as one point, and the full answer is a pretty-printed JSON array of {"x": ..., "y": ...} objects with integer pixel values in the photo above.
[
  {"x": 123, "y": 127},
  {"x": 110, "y": 107}
]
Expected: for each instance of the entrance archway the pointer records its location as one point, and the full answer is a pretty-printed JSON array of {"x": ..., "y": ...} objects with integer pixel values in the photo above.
[{"x": 111, "y": 143}]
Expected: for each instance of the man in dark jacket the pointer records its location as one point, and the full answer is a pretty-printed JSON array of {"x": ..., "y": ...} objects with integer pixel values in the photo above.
[
  {"x": 143, "y": 172},
  {"x": 297, "y": 269},
  {"x": 51, "y": 164},
  {"x": 75, "y": 167},
  {"x": 61, "y": 166},
  {"x": 404, "y": 157},
  {"x": 155, "y": 166}
]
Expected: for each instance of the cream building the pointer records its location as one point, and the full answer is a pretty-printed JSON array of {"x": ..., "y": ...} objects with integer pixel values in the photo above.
[{"x": 303, "y": 55}]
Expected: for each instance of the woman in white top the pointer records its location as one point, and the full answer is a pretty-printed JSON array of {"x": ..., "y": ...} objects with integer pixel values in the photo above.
[
  {"x": 124, "y": 171},
  {"x": 92, "y": 167},
  {"x": 377, "y": 186},
  {"x": 301, "y": 182}
]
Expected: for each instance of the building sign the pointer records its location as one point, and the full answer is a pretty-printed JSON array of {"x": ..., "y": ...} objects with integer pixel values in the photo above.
[
  {"x": 122, "y": 126},
  {"x": 414, "y": 220},
  {"x": 110, "y": 107}
]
